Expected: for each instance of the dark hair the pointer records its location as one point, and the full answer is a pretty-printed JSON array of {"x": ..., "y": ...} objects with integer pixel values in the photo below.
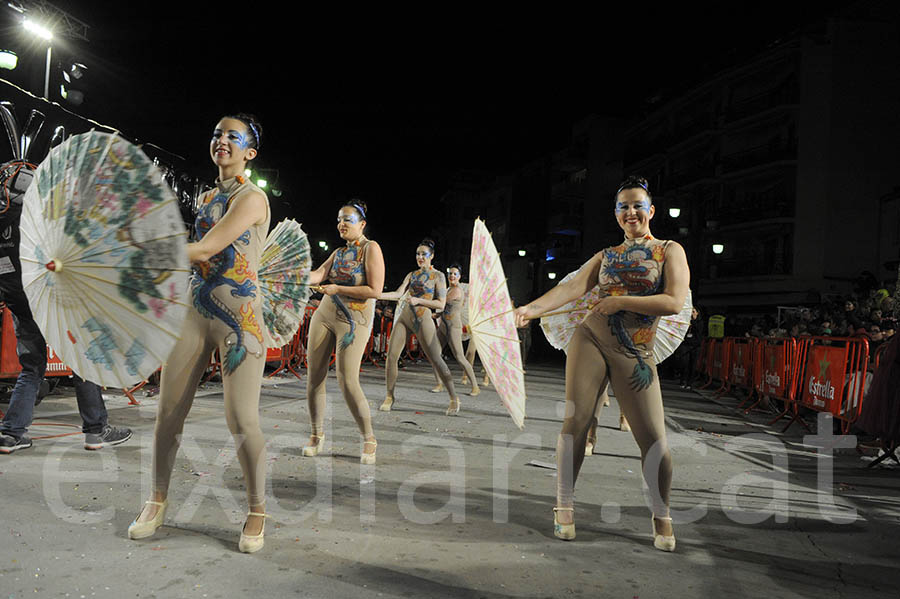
[
  {"x": 428, "y": 242},
  {"x": 253, "y": 126},
  {"x": 635, "y": 182},
  {"x": 357, "y": 205},
  {"x": 457, "y": 266}
]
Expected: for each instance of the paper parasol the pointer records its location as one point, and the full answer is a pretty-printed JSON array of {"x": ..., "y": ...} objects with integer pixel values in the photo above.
[
  {"x": 492, "y": 324},
  {"x": 560, "y": 326},
  {"x": 284, "y": 279},
  {"x": 104, "y": 260}
]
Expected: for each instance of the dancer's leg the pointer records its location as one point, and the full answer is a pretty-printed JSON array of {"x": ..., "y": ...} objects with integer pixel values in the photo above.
[
  {"x": 429, "y": 344},
  {"x": 242, "y": 389},
  {"x": 644, "y": 411},
  {"x": 399, "y": 338},
  {"x": 320, "y": 343},
  {"x": 457, "y": 349},
  {"x": 586, "y": 377},
  {"x": 178, "y": 383}
]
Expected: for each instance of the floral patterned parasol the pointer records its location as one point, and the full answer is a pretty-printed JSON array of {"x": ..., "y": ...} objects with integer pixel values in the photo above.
[
  {"x": 284, "y": 278},
  {"x": 104, "y": 260}
]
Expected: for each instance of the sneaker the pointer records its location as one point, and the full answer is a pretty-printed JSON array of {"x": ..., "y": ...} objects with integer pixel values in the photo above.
[
  {"x": 9, "y": 444},
  {"x": 108, "y": 437}
]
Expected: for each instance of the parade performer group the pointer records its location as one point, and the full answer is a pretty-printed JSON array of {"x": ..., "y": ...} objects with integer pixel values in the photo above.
[{"x": 640, "y": 280}]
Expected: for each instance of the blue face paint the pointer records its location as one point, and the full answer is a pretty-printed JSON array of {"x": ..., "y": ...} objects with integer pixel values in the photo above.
[
  {"x": 641, "y": 205},
  {"x": 348, "y": 218},
  {"x": 235, "y": 137}
]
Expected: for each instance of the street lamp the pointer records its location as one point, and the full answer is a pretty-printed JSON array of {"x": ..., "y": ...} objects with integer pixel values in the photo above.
[
  {"x": 718, "y": 248},
  {"x": 551, "y": 275},
  {"x": 674, "y": 212},
  {"x": 45, "y": 34},
  {"x": 522, "y": 253}
]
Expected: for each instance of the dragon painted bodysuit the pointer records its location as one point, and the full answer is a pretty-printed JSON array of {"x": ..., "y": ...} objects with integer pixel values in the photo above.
[
  {"x": 227, "y": 316},
  {"x": 617, "y": 349},
  {"x": 342, "y": 325},
  {"x": 425, "y": 284}
]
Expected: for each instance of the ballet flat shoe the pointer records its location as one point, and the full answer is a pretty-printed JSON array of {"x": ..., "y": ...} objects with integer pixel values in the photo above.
[
  {"x": 453, "y": 408},
  {"x": 588, "y": 448},
  {"x": 475, "y": 391},
  {"x": 566, "y": 532},
  {"x": 437, "y": 388},
  {"x": 662, "y": 542},
  {"x": 368, "y": 458},
  {"x": 387, "y": 404},
  {"x": 623, "y": 424},
  {"x": 314, "y": 450},
  {"x": 252, "y": 543},
  {"x": 142, "y": 530}
]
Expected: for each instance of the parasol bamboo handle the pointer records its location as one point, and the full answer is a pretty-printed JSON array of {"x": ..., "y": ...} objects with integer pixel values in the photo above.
[{"x": 558, "y": 312}]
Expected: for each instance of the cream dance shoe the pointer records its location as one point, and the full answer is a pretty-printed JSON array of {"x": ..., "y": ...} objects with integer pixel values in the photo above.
[
  {"x": 623, "y": 424},
  {"x": 438, "y": 388},
  {"x": 566, "y": 532},
  {"x": 314, "y": 450},
  {"x": 142, "y": 530},
  {"x": 662, "y": 542},
  {"x": 475, "y": 391},
  {"x": 453, "y": 408},
  {"x": 368, "y": 458},
  {"x": 387, "y": 405},
  {"x": 253, "y": 543}
]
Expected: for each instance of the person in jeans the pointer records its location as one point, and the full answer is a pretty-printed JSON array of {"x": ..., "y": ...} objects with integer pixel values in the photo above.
[{"x": 32, "y": 348}]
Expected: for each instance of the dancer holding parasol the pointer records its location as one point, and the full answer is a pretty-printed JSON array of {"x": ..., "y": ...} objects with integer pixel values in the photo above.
[
  {"x": 227, "y": 314},
  {"x": 641, "y": 279}
]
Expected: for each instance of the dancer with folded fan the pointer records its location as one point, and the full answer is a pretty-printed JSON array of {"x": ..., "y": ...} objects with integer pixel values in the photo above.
[
  {"x": 642, "y": 279},
  {"x": 342, "y": 323},
  {"x": 423, "y": 290}
]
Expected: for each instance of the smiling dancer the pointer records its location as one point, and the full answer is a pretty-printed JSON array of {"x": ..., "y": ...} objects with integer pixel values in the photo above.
[
  {"x": 642, "y": 278},
  {"x": 426, "y": 289},
  {"x": 450, "y": 328},
  {"x": 343, "y": 324},
  {"x": 231, "y": 228}
]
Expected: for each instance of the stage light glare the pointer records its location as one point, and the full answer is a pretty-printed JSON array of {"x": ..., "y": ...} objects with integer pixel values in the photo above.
[
  {"x": 551, "y": 275},
  {"x": 38, "y": 30},
  {"x": 522, "y": 253},
  {"x": 8, "y": 59},
  {"x": 261, "y": 183},
  {"x": 718, "y": 248},
  {"x": 674, "y": 212}
]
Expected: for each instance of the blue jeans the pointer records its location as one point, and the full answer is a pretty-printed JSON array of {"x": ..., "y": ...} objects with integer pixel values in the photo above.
[{"x": 32, "y": 351}]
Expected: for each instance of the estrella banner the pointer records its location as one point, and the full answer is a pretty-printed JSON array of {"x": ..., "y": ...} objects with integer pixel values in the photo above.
[
  {"x": 823, "y": 382},
  {"x": 774, "y": 370},
  {"x": 741, "y": 364}
]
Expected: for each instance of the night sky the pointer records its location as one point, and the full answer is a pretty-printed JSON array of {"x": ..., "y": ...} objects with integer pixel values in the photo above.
[{"x": 388, "y": 105}]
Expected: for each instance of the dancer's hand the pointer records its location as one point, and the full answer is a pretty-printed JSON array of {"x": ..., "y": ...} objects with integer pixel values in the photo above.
[
  {"x": 329, "y": 289},
  {"x": 608, "y": 305},
  {"x": 524, "y": 314},
  {"x": 414, "y": 301}
]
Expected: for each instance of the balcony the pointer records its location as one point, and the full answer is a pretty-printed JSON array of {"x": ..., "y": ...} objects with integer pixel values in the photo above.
[
  {"x": 784, "y": 94},
  {"x": 776, "y": 150}
]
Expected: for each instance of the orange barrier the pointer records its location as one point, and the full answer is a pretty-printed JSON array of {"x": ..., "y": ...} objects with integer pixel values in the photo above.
[
  {"x": 830, "y": 376},
  {"x": 717, "y": 363},
  {"x": 9, "y": 359},
  {"x": 743, "y": 364},
  {"x": 774, "y": 371}
]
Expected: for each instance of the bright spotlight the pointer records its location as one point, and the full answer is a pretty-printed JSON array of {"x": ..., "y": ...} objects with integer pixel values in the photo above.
[
  {"x": 248, "y": 173},
  {"x": 322, "y": 244},
  {"x": 522, "y": 253},
  {"x": 718, "y": 248},
  {"x": 261, "y": 183},
  {"x": 38, "y": 30},
  {"x": 551, "y": 275},
  {"x": 674, "y": 212}
]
